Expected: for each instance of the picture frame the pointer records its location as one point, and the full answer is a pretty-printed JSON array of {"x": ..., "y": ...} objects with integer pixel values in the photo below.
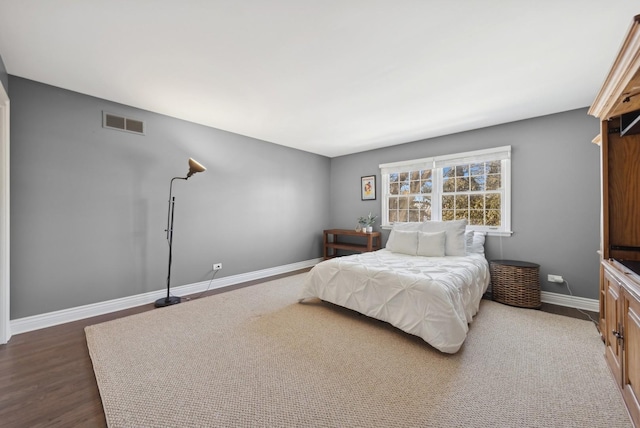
[{"x": 368, "y": 188}]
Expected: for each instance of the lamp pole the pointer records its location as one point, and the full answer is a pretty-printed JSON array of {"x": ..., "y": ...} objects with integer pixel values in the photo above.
[{"x": 169, "y": 299}]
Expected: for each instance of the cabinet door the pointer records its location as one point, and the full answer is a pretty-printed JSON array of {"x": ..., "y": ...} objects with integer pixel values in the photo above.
[
  {"x": 613, "y": 345},
  {"x": 631, "y": 372}
]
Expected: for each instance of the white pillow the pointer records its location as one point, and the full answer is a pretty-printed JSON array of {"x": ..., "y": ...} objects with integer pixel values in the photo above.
[
  {"x": 468, "y": 237},
  {"x": 455, "y": 243},
  {"x": 431, "y": 244},
  {"x": 477, "y": 243},
  {"x": 410, "y": 226},
  {"x": 405, "y": 242}
]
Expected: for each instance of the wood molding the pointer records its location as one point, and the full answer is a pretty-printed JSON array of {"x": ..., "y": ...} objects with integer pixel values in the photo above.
[{"x": 622, "y": 73}]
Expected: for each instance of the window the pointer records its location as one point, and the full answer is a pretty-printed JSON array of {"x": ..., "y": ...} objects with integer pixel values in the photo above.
[{"x": 474, "y": 185}]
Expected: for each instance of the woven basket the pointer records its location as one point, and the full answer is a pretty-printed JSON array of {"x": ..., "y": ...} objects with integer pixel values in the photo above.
[{"x": 515, "y": 283}]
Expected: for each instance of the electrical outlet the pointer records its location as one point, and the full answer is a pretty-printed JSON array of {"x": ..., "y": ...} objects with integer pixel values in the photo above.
[
  {"x": 555, "y": 278},
  {"x": 217, "y": 266}
]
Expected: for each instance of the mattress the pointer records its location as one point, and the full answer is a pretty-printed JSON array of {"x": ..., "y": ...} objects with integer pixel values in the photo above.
[{"x": 434, "y": 298}]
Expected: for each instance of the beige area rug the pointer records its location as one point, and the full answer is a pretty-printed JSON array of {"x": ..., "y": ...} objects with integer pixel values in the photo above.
[{"x": 256, "y": 357}]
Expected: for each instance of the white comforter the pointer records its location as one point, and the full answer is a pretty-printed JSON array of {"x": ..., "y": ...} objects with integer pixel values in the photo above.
[{"x": 434, "y": 298}]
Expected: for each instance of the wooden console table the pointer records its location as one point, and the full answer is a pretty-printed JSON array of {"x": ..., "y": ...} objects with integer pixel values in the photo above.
[{"x": 332, "y": 245}]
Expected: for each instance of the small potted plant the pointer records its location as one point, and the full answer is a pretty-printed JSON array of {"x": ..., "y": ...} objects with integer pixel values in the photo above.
[{"x": 367, "y": 222}]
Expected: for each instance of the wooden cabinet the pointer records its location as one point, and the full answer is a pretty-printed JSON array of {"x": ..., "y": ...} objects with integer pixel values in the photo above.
[
  {"x": 612, "y": 341},
  {"x": 333, "y": 242},
  {"x": 622, "y": 334},
  {"x": 631, "y": 355},
  {"x": 618, "y": 108}
]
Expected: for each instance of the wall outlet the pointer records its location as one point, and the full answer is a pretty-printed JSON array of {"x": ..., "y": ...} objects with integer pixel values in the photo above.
[
  {"x": 217, "y": 266},
  {"x": 555, "y": 278}
]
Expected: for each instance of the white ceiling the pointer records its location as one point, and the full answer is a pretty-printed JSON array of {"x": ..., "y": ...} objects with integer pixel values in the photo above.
[{"x": 331, "y": 77}]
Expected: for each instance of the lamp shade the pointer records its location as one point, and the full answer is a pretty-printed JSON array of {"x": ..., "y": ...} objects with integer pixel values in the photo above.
[{"x": 195, "y": 166}]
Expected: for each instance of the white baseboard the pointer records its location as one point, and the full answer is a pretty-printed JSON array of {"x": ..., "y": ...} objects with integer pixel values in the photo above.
[
  {"x": 36, "y": 322},
  {"x": 583, "y": 303}
]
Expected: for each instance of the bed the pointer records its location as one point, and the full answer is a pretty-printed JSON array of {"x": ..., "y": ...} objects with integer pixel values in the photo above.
[{"x": 431, "y": 290}]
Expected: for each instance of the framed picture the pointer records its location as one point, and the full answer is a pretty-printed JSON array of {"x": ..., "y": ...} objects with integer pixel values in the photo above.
[{"x": 368, "y": 188}]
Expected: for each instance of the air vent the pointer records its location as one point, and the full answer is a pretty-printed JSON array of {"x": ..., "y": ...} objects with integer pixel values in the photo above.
[{"x": 122, "y": 123}]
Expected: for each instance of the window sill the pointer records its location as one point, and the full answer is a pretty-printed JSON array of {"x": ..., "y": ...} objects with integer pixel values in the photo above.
[{"x": 488, "y": 232}]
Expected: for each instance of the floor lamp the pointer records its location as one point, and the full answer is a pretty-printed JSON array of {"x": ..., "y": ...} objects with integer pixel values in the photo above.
[{"x": 194, "y": 167}]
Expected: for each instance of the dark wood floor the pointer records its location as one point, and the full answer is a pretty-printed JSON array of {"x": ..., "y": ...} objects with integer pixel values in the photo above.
[{"x": 47, "y": 380}]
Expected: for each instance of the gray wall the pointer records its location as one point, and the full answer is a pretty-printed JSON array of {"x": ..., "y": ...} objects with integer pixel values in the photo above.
[
  {"x": 89, "y": 205},
  {"x": 555, "y": 192}
]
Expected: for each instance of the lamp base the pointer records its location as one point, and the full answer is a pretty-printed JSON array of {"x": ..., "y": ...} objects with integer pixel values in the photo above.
[{"x": 167, "y": 301}]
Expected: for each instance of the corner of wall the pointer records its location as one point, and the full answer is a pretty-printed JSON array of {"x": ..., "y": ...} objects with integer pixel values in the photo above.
[{"x": 4, "y": 77}]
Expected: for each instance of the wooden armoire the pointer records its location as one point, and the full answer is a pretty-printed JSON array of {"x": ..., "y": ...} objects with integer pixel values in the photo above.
[{"x": 618, "y": 108}]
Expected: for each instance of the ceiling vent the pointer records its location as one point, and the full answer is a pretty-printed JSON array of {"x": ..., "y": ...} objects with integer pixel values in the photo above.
[{"x": 122, "y": 123}]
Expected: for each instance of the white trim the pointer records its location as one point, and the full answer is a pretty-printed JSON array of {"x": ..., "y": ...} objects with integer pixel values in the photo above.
[
  {"x": 496, "y": 153},
  {"x": 583, "y": 303},
  {"x": 5, "y": 248},
  {"x": 36, "y": 322},
  {"x": 408, "y": 165},
  {"x": 476, "y": 156}
]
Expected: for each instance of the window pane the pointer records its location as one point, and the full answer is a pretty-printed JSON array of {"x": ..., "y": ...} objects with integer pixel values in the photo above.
[
  {"x": 393, "y": 177},
  {"x": 462, "y": 171},
  {"x": 476, "y": 202},
  {"x": 493, "y": 218},
  {"x": 449, "y": 185},
  {"x": 493, "y": 201},
  {"x": 478, "y": 184},
  {"x": 414, "y": 215},
  {"x": 462, "y": 215},
  {"x": 426, "y": 213},
  {"x": 462, "y": 202},
  {"x": 476, "y": 217},
  {"x": 462, "y": 184},
  {"x": 394, "y": 189},
  {"x": 425, "y": 175},
  {"x": 393, "y": 203},
  {"x": 476, "y": 169},
  {"x": 393, "y": 216},
  {"x": 494, "y": 167},
  {"x": 447, "y": 171},
  {"x": 404, "y": 203},
  {"x": 426, "y": 187},
  {"x": 415, "y": 187},
  {"x": 493, "y": 182},
  {"x": 423, "y": 206},
  {"x": 447, "y": 202},
  {"x": 447, "y": 215},
  {"x": 415, "y": 175}
]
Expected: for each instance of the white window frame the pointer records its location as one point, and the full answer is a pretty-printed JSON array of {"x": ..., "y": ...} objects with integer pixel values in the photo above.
[{"x": 436, "y": 165}]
